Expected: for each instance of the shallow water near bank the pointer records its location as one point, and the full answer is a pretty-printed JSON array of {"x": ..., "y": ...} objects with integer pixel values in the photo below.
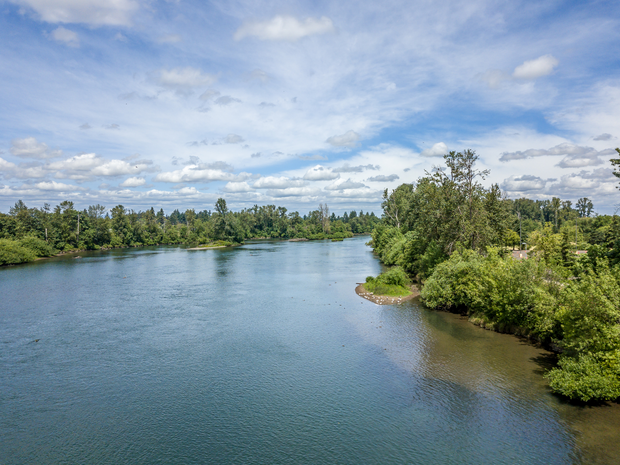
[{"x": 265, "y": 354}]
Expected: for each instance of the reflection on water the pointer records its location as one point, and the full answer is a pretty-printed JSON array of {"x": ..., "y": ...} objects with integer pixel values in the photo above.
[{"x": 265, "y": 354}]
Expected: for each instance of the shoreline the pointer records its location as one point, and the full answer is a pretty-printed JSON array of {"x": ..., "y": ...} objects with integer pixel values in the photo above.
[{"x": 386, "y": 299}]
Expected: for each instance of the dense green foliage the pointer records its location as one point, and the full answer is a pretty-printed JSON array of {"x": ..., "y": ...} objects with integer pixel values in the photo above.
[
  {"x": 455, "y": 236},
  {"x": 393, "y": 282},
  {"x": 42, "y": 231}
]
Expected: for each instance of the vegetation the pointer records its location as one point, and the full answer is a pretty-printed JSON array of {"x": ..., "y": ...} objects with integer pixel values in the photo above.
[
  {"x": 455, "y": 236},
  {"x": 40, "y": 232},
  {"x": 393, "y": 282}
]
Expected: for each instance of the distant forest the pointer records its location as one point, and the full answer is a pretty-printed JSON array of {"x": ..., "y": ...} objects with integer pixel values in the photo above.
[{"x": 26, "y": 233}]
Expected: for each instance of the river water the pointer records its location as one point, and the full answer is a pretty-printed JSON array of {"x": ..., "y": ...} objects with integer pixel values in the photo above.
[{"x": 264, "y": 354}]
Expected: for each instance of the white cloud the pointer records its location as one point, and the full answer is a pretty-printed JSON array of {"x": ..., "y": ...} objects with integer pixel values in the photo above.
[
  {"x": 273, "y": 182},
  {"x": 84, "y": 162},
  {"x": 285, "y": 28},
  {"x": 118, "y": 168},
  {"x": 295, "y": 192},
  {"x": 523, "y": 183},
  {"x": 320, "y": 173},
  {"x": 437, "y": 150},
  {"x": 94, "y": 12},
  {"x": 193, "y": 173},
  {"x": 348, "y": 184},
  {"x": 209, "y": 94},
  {"x": 133, "y": 182},
  {"x": 65, "y": 36},
  {"x": 579, "y": 161},
  {"x": 57, "y": 186},
  {"x": 29, "y": 147},
  {"x": 234, "y": 187},
  {"x": 6, "y": 165},
  {"x": 534, "y": 69},
  {"x": 348, "y": 139},
  {"x": 184, "y": 78}
]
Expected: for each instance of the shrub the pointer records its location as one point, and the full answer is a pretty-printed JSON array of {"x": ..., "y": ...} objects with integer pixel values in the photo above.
[
  {"x": 38, "y": 246},
  {"x": 11, "y": 253}
]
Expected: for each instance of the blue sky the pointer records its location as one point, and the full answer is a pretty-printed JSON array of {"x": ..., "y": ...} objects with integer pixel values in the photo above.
[{"x": 175, "y": 103}]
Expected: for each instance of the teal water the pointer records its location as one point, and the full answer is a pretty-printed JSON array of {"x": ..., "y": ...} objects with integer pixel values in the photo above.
[{"x": 264, "y": 354}]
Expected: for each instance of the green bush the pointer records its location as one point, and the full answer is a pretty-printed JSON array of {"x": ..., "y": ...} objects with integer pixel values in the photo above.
[
  {"x": 11, "y": 253},
  {"x": 393, "y": 282},
  {"x": 38, "y": 246}
]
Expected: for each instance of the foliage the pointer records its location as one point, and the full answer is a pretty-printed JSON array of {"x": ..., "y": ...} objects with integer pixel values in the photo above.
[
  {"x": 454, "y": 235},
  {"x": 393, "y": 282},
  {"x": 11, "y": 253}
]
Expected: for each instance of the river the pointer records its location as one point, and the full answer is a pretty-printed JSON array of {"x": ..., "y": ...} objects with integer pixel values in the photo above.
[{"x": 264, "y": 354}]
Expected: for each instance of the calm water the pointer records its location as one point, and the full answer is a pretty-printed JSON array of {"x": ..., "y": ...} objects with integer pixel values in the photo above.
[{"x": 265, "y": 354}]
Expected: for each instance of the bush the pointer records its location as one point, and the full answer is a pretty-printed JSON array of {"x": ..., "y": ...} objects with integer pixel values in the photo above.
[
  {"x": 393, "y": 282},
  {"x": 38, "y": 246},
  {"x": 11, "y": 253}
]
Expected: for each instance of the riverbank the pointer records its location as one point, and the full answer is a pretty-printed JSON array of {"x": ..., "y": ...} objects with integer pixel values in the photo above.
[{"x": 386, "y": 299}]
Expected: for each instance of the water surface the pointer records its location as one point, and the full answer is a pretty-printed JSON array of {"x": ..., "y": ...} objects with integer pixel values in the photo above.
[{"x": 265, "y": 354}]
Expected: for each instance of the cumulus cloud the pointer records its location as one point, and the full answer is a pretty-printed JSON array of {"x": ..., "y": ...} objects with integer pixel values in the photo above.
[
  {"x": 562, "y": 149},
  {"x": 437, "y": 150},
  {"x": 604, "y": 136},
  {"x": 346, "y": 168},
  {"x": 29, "y": 147},
  {"x": 235, "y": 187},
  {"x": 195, "y": 173},
  {"x": 533, "y": 69},
  {"x": 320, "y": 173},
  {"x": 83, "y": 162},
  {"x": 85, "y": 126},
  {"x": 579, "y": 161},
  {"x": 282, "y": 182},
  {"x": 133, "y": 182},
  {"x": 184, "y": 78},
  {"x": 348, "y": 184},
  {"x": 93, "y": 12},
  {"x": 56, "y": 186},
  {"x": 383, "y": 178},
  {"x": 255, "y": 155},
  {"x": 65, "y": 36},
  {"x": 523, "y": 183},
  {"x": 348, "y": 139},
  {"x": 295, "y": 192},
  {"x": 233, "y": 139},
  {"x": 282, "y": 27}
]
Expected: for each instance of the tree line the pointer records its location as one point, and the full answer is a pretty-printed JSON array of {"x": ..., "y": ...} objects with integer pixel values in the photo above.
[
  {"x": 27, "y": 233},
  {"x": 455, "y": 237}
]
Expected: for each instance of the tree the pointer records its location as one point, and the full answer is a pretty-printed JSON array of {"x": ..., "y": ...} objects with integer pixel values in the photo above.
[
  {"x": 615, "y": 162},
  {"x": 584, "y": 207}
]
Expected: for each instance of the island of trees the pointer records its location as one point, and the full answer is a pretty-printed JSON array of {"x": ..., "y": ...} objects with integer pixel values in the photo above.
[{"x": 456, "y": 238}]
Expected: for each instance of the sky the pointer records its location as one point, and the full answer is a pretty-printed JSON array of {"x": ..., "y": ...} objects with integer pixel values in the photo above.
[{"x": 173, "y": 104}]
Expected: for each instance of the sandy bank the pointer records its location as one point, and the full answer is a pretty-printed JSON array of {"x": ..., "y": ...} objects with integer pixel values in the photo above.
[{"x": 386, "y": 299}]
